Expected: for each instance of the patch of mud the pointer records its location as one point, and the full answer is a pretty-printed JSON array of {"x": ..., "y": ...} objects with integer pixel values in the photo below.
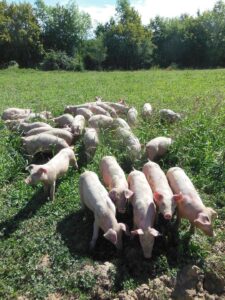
[{"x": 191, "y": 283}]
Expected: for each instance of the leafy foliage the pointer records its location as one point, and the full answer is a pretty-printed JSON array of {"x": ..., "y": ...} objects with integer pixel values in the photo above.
[
  {"x": 63, "y": 27},
  {"x": 190, "y": 41},
  {"x": 54, "y": 60},
  {"x": 19, "y": 34},
  {"x": 127, "y": 41}
]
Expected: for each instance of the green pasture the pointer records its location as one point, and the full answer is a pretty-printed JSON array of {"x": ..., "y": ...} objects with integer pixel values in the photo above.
[{"x": 32, "y": 227}]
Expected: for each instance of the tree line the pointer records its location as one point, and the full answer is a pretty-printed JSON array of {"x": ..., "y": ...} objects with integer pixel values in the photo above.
[{"x": 59, "y": 37}]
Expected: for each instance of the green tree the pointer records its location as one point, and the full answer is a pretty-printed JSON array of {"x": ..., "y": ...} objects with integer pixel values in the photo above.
[
  {"x": 63, "y": 27},
  {"x": 127, "y": 41},
  {"x": 191, "y": 41},
  {"x": 94, "y": 54},
  {"x": 19, "y": 34}
]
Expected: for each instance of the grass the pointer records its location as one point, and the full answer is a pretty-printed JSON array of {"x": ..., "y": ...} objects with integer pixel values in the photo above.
[{"x": 32, "y": 227}]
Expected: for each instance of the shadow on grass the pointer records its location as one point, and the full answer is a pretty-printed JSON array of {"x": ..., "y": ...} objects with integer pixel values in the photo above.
[
  {"x": 8, "y": 227},
  {"x": 76, "y": 231}
]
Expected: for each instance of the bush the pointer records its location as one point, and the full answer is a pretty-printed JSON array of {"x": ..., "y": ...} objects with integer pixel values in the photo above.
[
  {"x": 9, "y": 64},
  {"x": 57, "y": 60}
]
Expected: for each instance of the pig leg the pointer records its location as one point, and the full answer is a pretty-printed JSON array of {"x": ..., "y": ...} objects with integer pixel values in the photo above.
[
  {"x": 74, "y": 164},
  {"x": 95, "y": 235},
  {"x": 52, "y": 191},
  {"x": 46, "y": 189}
]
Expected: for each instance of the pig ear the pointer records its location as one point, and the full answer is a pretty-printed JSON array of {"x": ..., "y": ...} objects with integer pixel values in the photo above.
[
  {"x": 112, "y": 195},
  {"x": 212, "y": 212},
  {"x": 125, "y": 228},
  {"x": 128, "y": 193},
  {"x": 202, "y": 220},
  {"x": 137, "y": 232},
  {"x": 29, "y": 168},
  {"x": 111, "y": 235},
  {"x": 178, "y": 197},
  {"x": 154, "y": 232},
  {"x": 157, "y": 196},
  {"x": 42, "y": 170}
]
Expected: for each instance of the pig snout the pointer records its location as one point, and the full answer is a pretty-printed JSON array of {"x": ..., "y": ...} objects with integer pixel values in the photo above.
[{"x": 168, "y": 216}]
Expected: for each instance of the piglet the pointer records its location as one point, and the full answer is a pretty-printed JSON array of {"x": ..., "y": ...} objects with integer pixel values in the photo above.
[
  {"x": 49, "y": 172},
  {"x": 43, "y": 142},
  {"x": 15, "y": 113},
  {"x": 114, "y": 178},
  {"x": 108, "y": 108},
  {"x": 120, "y": 108},
  {"x": 132, "y": 116},
  {"x": 91, "y": 142},
  {"x": 130, "y": 141},
  {"x": 189, "y": 203},
  {"x": 72, "y": 109},
  {"x": 38, "y": 130},
  {"x": 146, "y": 111},
  {"x": 64, "y": 120},
  {"x": 144, "y": 211},
  {"x": 62, "y": 133},
  {"x": 86, "y": 112},
  {"x": 162, "y": 192},
  {"x": 25, "y": 127},
  {"x": 119, "y": 122},
  {"x": 98, "y": 110},
  {"x": 96, "y": 198},
  {"x": 169, "y": 115},
  {"x": 78, "y": 125},
  {"x": 100, "y": 121},
  {"x": 158, "y": 147}
]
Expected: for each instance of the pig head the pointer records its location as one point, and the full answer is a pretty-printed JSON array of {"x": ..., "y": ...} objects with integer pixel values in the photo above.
[
  {"x": 200, "y": 218},
  {"x": 120, "y": 197}
]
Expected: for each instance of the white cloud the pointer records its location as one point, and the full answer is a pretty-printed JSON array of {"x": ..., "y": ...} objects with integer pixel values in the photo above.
[
  {"x": 99, "y": 14},
  {"x": 150, "y": 8},
  {"x": 170, "y": 8}
]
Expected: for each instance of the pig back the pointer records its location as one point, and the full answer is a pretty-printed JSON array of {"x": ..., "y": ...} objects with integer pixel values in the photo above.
[
  {"x": 43, "y": 142},
  {"x": 139, "y": 185},
  {"x": 111, "y": 172},
  {"x": 156, "y": 177},
  {"x": 92, "y": 192},
  {"x": 180, "y": 183}
]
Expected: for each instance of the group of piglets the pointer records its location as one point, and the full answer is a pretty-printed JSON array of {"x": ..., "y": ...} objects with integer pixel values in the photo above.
[
  {"x": 148, "y": 191},
  {"x": 84, "y": 119},
  {"x": 42, "y": 137}
]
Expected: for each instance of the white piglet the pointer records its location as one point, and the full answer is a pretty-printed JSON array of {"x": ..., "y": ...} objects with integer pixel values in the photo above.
[
  {"x": 189, "y": 203},
  {"x": 43, "y": 142},
  {"x": 49, "y": 172},
  {"x": 158, "y": 147},
  {"x": 132, "y": 116},
  {"x": 78, "y": 125},
  {"x": 91, "y": 142},
  {"x": 114, "y": 178},
  {"x": 146, "y": 111},
  {"x": 162, "y": 192},
  {"x": 169, "y": 115},
  {"x": 144, "y": 211},
  {"x": 64, "y": 120},
  {"x": 15, "y": 113},
  {"x": 130, "y": 141},
  {"x": 96, "y": 198}
]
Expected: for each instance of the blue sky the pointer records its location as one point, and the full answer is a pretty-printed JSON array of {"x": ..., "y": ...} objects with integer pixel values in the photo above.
[{"x": 102, "y": 10}]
